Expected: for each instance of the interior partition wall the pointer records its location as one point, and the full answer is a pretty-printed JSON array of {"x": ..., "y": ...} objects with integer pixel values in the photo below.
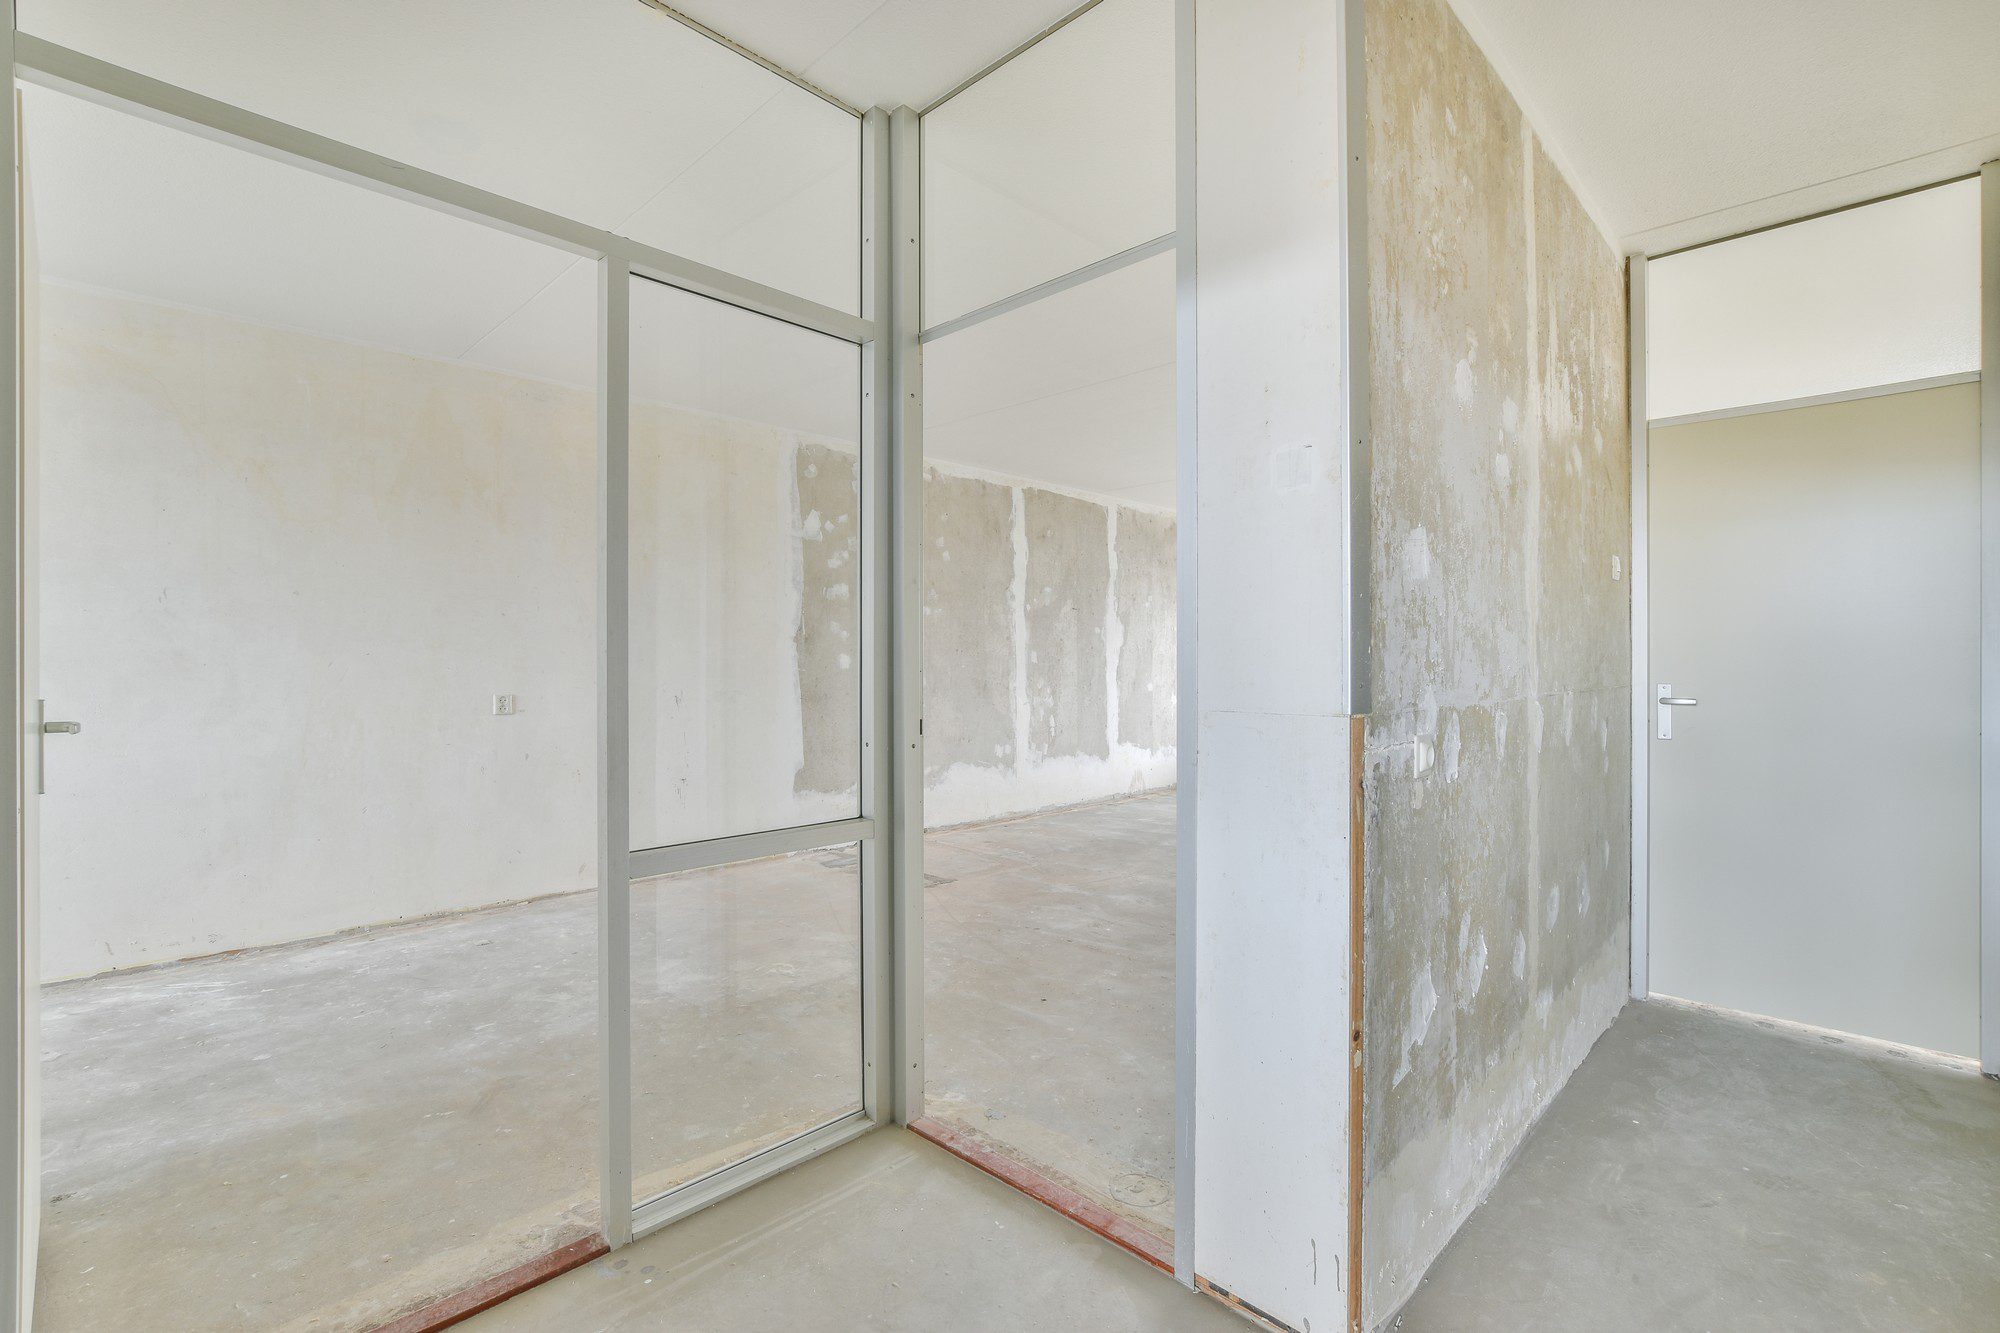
[
  {"x": 770, "y": 355},
  {"x": 1047, "y": 575}
]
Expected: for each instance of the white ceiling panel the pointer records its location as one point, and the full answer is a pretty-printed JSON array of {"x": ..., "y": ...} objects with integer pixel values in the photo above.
[{"x": 1681, "y": 123}]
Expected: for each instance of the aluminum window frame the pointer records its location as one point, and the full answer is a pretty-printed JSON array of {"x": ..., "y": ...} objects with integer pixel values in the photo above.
[{"x": 619, "y": 260}]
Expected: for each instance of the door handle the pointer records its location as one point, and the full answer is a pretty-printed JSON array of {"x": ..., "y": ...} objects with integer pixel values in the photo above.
[
  {"x": 1673, "y": 703},
  {"x": 1668, "y": 701},
  {"x": 44, "y": 729}
]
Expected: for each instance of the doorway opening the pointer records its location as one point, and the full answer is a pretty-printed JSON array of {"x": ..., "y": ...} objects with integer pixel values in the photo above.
[{"x": 1813, "y": 513}]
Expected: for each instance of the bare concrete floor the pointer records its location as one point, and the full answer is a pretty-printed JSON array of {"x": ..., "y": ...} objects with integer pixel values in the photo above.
[
  {"x": 323, "y": 1135},
  {"x": 887, "y": 1232},
  {"x": 1049, "y": 996},
  {"x": 1703, "y": 1171}
]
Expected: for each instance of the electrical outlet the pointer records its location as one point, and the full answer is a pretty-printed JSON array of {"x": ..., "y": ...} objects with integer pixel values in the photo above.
[{"x": 506, "y": 705}]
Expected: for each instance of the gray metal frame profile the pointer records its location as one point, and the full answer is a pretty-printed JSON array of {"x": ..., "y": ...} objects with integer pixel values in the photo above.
[{"x": 1989, "y": 586}]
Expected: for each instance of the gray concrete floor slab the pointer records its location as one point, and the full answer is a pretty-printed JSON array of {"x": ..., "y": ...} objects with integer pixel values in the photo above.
[
  {"x": 323, "y": 1135},
  {"x": 1049, "y": 996},
  {"x": 1706, "y": 1171},
  {"x": 888, "y": 1233}
]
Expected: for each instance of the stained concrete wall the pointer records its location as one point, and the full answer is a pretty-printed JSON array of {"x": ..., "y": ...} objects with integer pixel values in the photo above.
[
  {"x": 1047, "y": 618},
  {"x": 284, "y": 576},
  {"x": 1497, "y": 756}
]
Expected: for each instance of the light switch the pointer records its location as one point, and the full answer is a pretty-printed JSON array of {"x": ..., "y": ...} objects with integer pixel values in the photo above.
[{"x": 1617, "y": 568}]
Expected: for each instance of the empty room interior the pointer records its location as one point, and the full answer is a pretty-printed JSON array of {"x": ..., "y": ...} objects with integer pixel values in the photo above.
[{"x": 1002, "y": 665}]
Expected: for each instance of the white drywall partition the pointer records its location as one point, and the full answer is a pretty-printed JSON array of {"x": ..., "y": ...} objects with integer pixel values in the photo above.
[
  {"x": 1272, "y": 936},
  {"x": 1881, "y": 294}
]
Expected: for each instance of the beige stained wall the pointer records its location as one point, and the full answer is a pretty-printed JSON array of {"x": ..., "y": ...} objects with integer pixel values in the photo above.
[
  {"x": 1498, "y": 767},
  {"x": 284, "y": 577}
]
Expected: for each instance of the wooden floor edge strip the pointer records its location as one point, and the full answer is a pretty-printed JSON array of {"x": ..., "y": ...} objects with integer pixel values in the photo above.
[
  {"x": 1357, "y": 1009},
  {"x": 483, "y": 1296},
  {"x": 1241, "y": 1306},
  {"x": 1126, "y": 1234}
]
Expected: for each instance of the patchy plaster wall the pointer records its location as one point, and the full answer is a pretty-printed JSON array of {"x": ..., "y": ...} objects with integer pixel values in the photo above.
[
  {"x": 1030, "y": 598},
  {"x": 283, "y": 577},
  {"x": 1497, "y": 756}
]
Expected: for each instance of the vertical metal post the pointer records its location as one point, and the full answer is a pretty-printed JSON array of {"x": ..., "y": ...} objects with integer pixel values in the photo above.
[
  {"x": 614, "y": 758},
  {"x": 1642, "y": 701},
  {"x": 1187, "y": 716},
  {"x": 878, "y": 595},
  {"x": 1989, "y": 622},
  {"x": 906, "y": 675},
  {"x": 24, "y": 1180},
  {"x": 1358, "y": 472}
]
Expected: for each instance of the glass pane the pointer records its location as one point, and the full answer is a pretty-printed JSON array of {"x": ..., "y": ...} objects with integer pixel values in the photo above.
[
  {"x": 1876, "y": 295},
  {"x": 1057, "y": 159},
  {"x": 608, "y": 111},
  {"x": 317, "y": 917},
  {"x": 746, "y": 1010},
  {"x": 746, "y": 571},
  {"x": 1049, "y": 736}
]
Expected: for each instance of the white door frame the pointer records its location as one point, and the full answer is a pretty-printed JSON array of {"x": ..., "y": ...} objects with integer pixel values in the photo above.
[{"x": 1989, "y": 470}]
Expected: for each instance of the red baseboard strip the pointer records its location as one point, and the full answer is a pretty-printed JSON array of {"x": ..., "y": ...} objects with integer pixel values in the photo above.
[
  {"x": 458, "y": 1308},
  {"x": 1120, "y": 1231}
]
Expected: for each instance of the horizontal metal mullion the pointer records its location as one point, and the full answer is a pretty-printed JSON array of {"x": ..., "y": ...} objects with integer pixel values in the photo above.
[
  {"x": 57, "y": 67},
  {"x": 716, "y": 1186},
  {"x": 748, "y": 847},
  {"x": 1818, "y": 399},
  {"x": 1076, "y": 277}
]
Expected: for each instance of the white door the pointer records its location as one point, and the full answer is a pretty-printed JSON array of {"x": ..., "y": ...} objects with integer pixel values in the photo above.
[{"x": 1815, "y": 814}]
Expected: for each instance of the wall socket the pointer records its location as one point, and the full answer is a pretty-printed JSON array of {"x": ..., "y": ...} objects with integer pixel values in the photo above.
[{"x": 506, "y": 705}]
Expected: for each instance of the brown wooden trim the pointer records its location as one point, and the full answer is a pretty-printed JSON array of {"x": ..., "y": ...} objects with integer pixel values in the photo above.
[
  {"x": 1087, "y": 1213},
  {"x": 482, "y": 1296},
  {"x": 1357, "y": 925},
  {"x": 1241, "y": 1306}
]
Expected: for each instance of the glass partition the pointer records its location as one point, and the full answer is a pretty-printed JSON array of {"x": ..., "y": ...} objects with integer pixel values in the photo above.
[
  {"x": 607, "y": 111},
  {"x": 1059, "y": 158},
  {"x": 318, "y": 876},
  {"x": 745, "y": 572}
]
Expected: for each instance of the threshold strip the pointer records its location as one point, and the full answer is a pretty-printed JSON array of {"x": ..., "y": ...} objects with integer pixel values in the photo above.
[
  {"x": 1086, "y": 1213},
  {"x": 483, "y": 1296}
]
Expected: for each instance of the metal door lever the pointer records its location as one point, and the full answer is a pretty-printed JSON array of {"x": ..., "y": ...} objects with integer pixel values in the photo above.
[
  {"x": 1668, "y": 701},
  {"x": 41, "y": 750}
]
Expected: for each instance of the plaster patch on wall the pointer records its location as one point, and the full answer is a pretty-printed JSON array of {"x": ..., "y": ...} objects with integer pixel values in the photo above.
[{"x": 1068, "y": 581}]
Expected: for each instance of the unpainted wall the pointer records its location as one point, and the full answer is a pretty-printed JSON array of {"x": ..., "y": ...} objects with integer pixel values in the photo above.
[
  {"x": 1498, "y": 766},
  {"x": 1044, "y": 617},
  {"x": 284, "y": 576}
]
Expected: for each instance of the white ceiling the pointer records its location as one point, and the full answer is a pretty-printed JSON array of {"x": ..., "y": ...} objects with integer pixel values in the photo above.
[
  {"x": 1688, "y": 121},
  {"x": 880, "y": 52}
]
